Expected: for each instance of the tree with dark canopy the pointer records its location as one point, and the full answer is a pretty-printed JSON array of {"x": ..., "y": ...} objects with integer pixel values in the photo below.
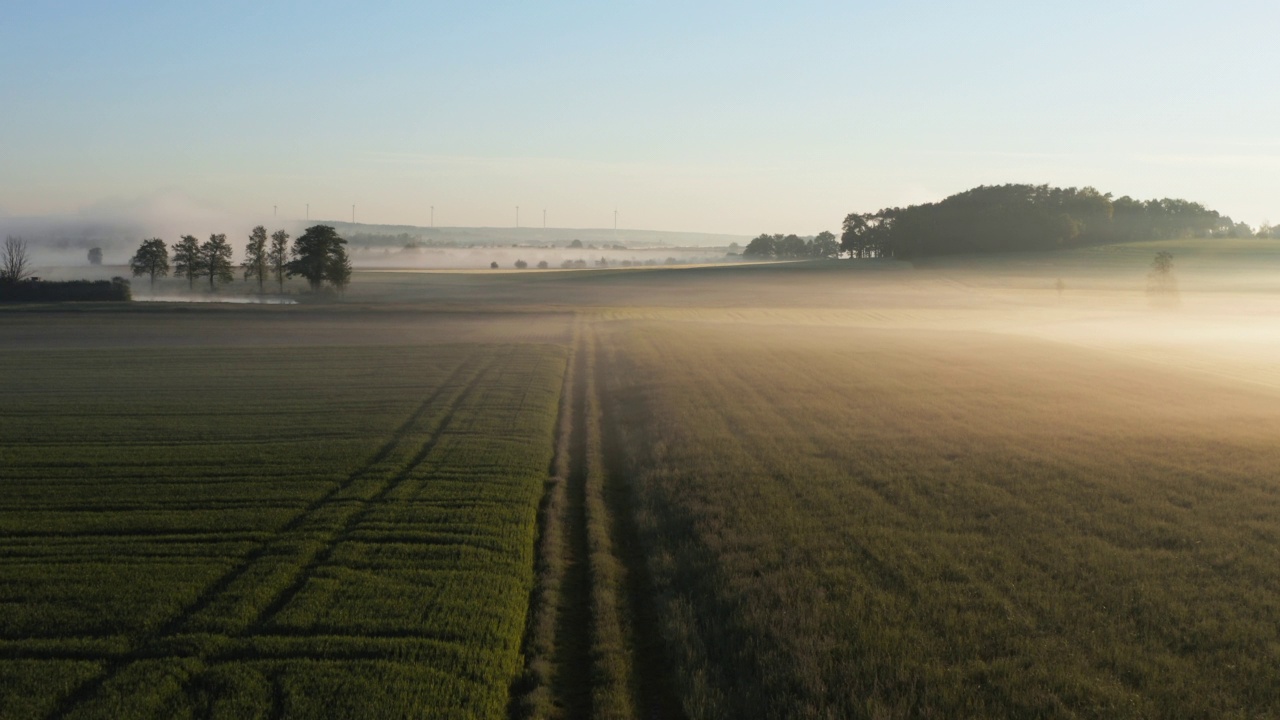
[
  {"x": 339, "y": 270},
  {"x": 762, "y": 247},
  {"x": 278, "y": 255},
  {"x": 95, "y": 256},
  {"x": 791, "y": 247},
  {"x": 151, "y": 259},
  {"x": 824, "y": 245},
  {"x": 257, "y": 261},
  {"x": 215, "y": 255},
  {"x": 188, "y": 262},
  {"x": 316, "y": 256}
]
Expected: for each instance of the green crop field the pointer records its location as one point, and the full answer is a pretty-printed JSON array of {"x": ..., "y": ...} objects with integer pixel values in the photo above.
[
  {"x": 258, "y": 532},
  {"x": 981, "y": 487}
]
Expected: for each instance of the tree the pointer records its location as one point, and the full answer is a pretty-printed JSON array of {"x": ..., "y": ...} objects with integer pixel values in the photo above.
[
  {"x": 763, "y": 247},
  {"x": 215, "y": 255},
  {"x": 257, "y": 260},
  {"x": 790, "y": 247},
  {"x": 95, "y": 256},
  {"x": 1241, "y": 230},
  {"x": 338, "y": 270},
  {"x": 576, "y": 244},
  {"x": 493, "y": 265},
  {"x": 824, "y": 245},
  {"x": 15, "y": 264},
  {"x": 151, "y": 259},
  {"x": 278, "y": 255},
  {"x": 1162, "y": 265},
  {"x": 542, "y": 265},
  {"x": 188, "y": 262},
  {"x": 854, "y": 239},
  {"x": 1162, "y": 286},
  {"x": 315, "y": 254},
  {"x": 520, "y": 264}
]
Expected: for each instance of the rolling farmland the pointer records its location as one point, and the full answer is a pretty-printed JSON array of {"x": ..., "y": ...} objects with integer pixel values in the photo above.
[{"x": 775, "y": 492}]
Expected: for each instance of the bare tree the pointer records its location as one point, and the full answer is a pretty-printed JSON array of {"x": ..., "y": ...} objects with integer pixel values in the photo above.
[{"x": 15, "y": 264}]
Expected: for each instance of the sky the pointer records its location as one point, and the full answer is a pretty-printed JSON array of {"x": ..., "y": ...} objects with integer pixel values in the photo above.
[{"x": 739, "y": 117}]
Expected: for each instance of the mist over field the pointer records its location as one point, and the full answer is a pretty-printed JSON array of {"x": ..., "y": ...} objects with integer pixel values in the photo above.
[
  {"x": 58, "y": 245},
  {"x": 973, "y": 485}
]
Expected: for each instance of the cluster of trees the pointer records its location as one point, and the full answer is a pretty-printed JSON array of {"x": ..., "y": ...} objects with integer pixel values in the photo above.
[
  {"x": 318, "y": 255},
  {"x": 1000, "y": 218},
  {"x": 792, "y": 247}
]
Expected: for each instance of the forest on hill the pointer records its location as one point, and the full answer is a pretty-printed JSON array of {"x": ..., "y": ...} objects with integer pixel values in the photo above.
[{"x": 1001, "y": 218}]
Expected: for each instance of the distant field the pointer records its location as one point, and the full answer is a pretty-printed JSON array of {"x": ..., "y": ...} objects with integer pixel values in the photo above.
[{"x": 792, "y": 490}]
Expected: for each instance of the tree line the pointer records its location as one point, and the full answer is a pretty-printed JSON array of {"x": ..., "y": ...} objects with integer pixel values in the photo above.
[
  {"x": 318, "y": 255},
  {"x": 792, "y": 247},
  {"x": 1001, "y": 218}
]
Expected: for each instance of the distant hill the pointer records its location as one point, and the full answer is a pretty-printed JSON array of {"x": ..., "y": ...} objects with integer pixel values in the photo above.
[{"x": 1002, "y": 218}]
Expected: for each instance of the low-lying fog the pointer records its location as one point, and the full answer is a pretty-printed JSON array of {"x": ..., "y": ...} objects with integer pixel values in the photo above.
[
  {"x": 1220, "y": 315},
  {"x": 65, "y": 262},
  {"x": 430, "y": 258}
]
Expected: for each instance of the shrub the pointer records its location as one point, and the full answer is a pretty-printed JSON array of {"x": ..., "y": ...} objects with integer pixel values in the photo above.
[{"x": 113, "y": 290}]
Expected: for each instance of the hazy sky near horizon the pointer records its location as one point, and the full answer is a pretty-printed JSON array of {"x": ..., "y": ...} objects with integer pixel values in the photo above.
[{"x": 739, "y": 117}]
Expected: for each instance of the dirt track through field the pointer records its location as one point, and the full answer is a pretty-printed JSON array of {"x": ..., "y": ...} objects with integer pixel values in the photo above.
[
  {"x": 592, "y": 644},
  {"x": 573, "y": 626}
]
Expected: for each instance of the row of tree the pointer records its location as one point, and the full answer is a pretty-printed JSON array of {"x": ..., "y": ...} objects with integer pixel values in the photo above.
[
  {"x": 1000, "y": 218},
  {"x": 318, "y": 255},
  {"x": 792, "y": 247}
]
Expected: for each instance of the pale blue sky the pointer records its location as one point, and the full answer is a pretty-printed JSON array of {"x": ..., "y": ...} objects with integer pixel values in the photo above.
[{"x": 724, "y": 117}]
